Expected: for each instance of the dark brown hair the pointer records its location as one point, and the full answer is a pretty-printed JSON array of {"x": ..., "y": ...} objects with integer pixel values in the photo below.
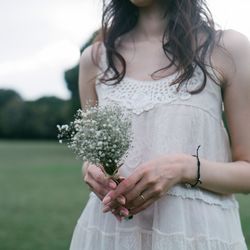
[{"x": 186, "y": 20}]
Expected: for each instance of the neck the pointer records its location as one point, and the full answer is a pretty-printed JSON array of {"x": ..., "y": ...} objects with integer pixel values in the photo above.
[{"x": 151, "y": 23}]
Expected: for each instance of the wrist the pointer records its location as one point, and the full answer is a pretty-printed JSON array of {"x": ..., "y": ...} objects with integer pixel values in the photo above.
[{"x": 189, "y": 169}]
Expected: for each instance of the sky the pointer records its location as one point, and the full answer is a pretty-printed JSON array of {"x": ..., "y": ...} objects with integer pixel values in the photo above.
[{"x": 39, "y": 40}]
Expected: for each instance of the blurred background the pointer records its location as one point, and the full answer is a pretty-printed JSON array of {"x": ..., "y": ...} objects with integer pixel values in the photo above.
[{"x": 41, "y": 190}]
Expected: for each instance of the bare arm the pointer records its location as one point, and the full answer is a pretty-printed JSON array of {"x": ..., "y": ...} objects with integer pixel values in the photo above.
[
  {"x": 233, "y": 177},
  {"x": 93, "y": 175},
  {"x": 87, "y": 77},
  {"x": 88, "y": 96}
]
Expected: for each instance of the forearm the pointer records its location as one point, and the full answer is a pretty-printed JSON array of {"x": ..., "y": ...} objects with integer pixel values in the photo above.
[{"x": 220, "y": 177}]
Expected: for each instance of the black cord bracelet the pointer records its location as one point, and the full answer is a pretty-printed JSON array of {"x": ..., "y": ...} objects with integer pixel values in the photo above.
[{"x": 198, "y": 170}]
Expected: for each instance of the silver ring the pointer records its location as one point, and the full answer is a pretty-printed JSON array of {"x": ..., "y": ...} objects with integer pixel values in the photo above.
[{"x": 142, "y": 196}]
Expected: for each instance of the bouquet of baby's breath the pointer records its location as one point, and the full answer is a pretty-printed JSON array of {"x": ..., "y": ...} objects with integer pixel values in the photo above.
[{"x": 99, "y": 135}]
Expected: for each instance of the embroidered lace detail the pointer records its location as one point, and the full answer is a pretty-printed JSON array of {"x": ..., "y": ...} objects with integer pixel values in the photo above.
[
  {"x": 225, "y": 202},
  {"x": 143, "y": 97}
]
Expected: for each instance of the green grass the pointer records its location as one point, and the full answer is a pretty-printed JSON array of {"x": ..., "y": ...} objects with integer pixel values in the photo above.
[
  {"x": 244, "y": 201},
  {"x": 42, "y": 195}
]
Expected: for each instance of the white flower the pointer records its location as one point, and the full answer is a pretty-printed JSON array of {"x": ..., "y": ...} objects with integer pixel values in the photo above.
[
  {"x": 65, "y": 126},
  {"x": 100, "y": 135}
]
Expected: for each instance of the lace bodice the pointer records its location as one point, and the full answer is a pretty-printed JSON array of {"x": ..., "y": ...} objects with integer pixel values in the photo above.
[
  {"x": 143, "y": 98},
  {"x": 169, "y": 121},
  {"x": 142, "y": 95}
]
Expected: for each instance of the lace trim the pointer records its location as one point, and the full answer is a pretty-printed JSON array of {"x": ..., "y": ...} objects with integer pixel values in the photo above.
[
  {"x": 142, "y": 95},
  {"x": 161, "y": 238},
  {"x": 139, "y": 96},
  {"x": 223, "y": 201},
  {"x": 145, "y": 97}
]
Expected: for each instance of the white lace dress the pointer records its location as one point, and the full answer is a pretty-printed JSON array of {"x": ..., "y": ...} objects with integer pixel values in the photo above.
[{"x": 166, "y": 122}]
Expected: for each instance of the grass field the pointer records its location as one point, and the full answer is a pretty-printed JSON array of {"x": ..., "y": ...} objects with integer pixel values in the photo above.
[{"x": 42, "y": 196}]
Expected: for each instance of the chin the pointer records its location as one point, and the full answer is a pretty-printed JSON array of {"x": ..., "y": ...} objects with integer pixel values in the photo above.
[{"x": 142, "y": 3}]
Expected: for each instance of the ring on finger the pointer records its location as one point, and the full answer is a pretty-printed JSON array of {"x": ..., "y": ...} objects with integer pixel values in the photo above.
[{"x": 142, "y": 197}]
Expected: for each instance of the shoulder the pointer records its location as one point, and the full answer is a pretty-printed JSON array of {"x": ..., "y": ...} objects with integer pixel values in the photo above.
[
  {"x": 91, "y": 56},
  {"x": 236, "y": 66},
  {"x": 234, "y": 42},
  {"x": 88, "y": 72},
  {"x": 238, "y": 47},
  {"x": 231, "y": 53},
  {"x": 89, "y": 65}
]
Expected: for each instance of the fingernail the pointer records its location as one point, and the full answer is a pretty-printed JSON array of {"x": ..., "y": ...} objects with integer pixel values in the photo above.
[
  {"x": 106, "y": 209},
  {"x": 123, "y": 213},
  {"x": 121, "y": 200},
  {"x": 112, "y": 185},
  {"x": 106, "y": 200}
]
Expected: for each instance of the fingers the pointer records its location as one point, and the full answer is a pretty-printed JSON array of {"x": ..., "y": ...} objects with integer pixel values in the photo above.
[
  {"x": 123, "y": 188},
  {"x": 120, "y": 213},
  {"x": 132, "y": 198},
  {"x": 85, "y": 166},
  {"x": 97, "y": 181},
  {"x": 133, "y": 195},
  {"x": 142, "y": 206},
  {"x": 97, "y": 174},
  {"x": 113, "y": 204},
  {"x": 97, "y": 188},
  {"x": 140, "y": 200},
  {"x": 101, "y": 185},
  {"x": 145, "y": 199}
]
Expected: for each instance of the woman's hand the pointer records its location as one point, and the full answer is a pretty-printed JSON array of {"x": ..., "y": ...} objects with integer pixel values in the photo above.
[
  {"x": 100, "y": 184},
  {"x": 151, "y": 181},
  {"x": 96, "y": 180}
]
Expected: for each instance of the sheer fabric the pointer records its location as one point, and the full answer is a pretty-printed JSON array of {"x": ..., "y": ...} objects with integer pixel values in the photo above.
[{"x": 165, "y": 121}]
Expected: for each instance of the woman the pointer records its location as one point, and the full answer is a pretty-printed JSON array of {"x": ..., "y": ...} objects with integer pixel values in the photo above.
[{"x": 166, "y": 64}]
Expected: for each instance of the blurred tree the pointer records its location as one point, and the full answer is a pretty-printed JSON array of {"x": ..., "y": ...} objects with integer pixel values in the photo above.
[
  {"x": 38, "y": 119},
  {"x": 11, "y": 109},
  {"x": 43, "y": 115},
  {"x": 31, "y": 119},
  {"x": 71, "y": 76},
  {"x": 6, "y": 95}
]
